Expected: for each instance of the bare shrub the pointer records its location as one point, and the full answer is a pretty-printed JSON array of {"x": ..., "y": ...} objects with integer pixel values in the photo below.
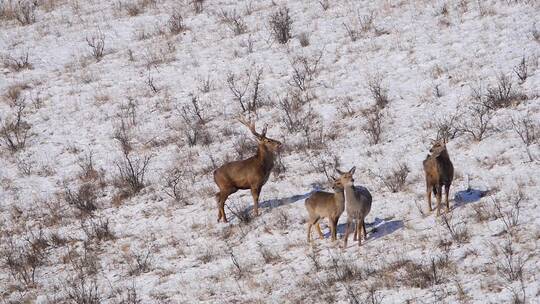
[
  {"x": 131, "y": 169},
  {"x": 84, "y": 199},
  {"x": 176, "y": 23},
  {"x": 96, "y": 41},
  {"x": 25, "y": 12},
  {"x": 458, "y": 230},
  {"x": 15, "y": 131},
  {"x": 509, "y": 211},
  {"x": 205, "y": 85},
  {"x": 83, "y": 289},
  {"x": 378, "y": 91},
  {"x": 14, "y": 94},
  {"x": 521, "y": 70},
  {"x": 361, "y": 25},
  {"x": 535, "y": 33},
  {"x": 233, "y": 21},
  {"x": 395, "y": 180},
  {"x": 305, "y": 70},
  {"x": 140, "y": 262},
  {"x": 17, "y": 63},
  {"x": 268, "y": 255},
  {"x": 511, "y": 265},
  {"x": 198, "y": 6},
  {"x": 373, "y": 127},
  {"x": 239, "y": 89},
  {"x": 97, "y": 230},
  {"x": 242, "y": 213},
  {"x": 23, "y": 260},
  {"x": 325, "y": 4},
  {"x": 447, "y": 127},
  {"x": 325, "y": 163},
  {"x": 304, "y": 39},
  {"x": 280, "y": 25},
  {"x": 176, "y": 183},
  {"x": 342, "y": 269},
  {"x": 160, "y": 53},
  {"x": 294, "y": 117},
  {"x": 88, "y": 170},
  {"x": 503, "y": 94},
  {"x": 151, "y": 84},
  {"x": 528, "y": 131},
  {"x": 193, "y": 123},
  {"x": 477, "y": 123}
]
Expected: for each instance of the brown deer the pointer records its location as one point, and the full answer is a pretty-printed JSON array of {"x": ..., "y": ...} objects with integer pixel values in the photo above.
[
  {"x": 358, "y": 205},
  {"x": 328, "y": 205},
  {"x": 439, "y": 172},
  {"x": 251, "y": 173}
]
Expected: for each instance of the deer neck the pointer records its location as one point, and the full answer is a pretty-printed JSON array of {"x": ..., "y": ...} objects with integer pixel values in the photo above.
[
  {"x": 444, "y": 155},
  {"x": 339, "y": 197},
  {"x": 265, "y": 157},
  {"x": 349, "y": 193}
]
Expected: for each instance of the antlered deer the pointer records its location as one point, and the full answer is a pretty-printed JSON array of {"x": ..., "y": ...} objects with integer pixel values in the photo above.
[
  {"x": 439, "y": 171},
  {"x": 358, "y": 204},
  {"x": 251, "y": 173},
  {"x": 328, "y": 205}
]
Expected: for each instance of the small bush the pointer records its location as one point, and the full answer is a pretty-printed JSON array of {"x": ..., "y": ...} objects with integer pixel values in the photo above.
[
  {"x": 528, "y": 131},
  {"x": 198, "y": 6},
  {"x": 249, "y": 100},
  {"x": 457, "y": 230},
  {"x": 131, "y": 169},
  {"x": 140, "y": 263},
  {"x": 25, "y": 12},
  {"x": 503, "y": 94},
  {"x": 511, "y": 265},
  {"x": 234, "y": 22},
  {"x": 395, "y": 180},
  {"x": 176, "y": 23},
  {"x": 378, "y": 91},
  {"x": 17, "y": 63},
  {"x": 373, "y": 127},
  {"x": 477, "y": 122},
  {"x": 510, "y": 211},
  {"x": 15, "y": 131},
  {"x": 268, "y": 255},
  {"x": 304, "y": 39},
  {"x": 97, "y": 230},
  {"x": 84, "y": 199},
  {"x": 96, "y": 42},
  {"x": 280, "y": 25}
]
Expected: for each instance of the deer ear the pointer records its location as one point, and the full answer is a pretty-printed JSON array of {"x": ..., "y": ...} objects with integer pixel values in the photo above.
[
  {"x": 263, "y": 134},
  {"x": 352, "y": 170},
  {"x": 339, "y": 171}
]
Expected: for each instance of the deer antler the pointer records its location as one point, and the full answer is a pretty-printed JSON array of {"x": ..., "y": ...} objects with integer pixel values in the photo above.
[{"x": 251, "y": 126}]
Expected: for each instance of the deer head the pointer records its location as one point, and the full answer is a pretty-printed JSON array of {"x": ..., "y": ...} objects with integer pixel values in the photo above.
[
  {"x": 438, "y": 146},
  {"x": 346, "y": 178},
  {"x": 337, "y": 185},
  {"x": 268, "y": 143}
]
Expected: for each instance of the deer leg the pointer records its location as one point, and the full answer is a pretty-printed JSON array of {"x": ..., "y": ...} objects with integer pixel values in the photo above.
[
  {"x": 255, "y": 193},
  {"x": 428, "y": 197},
  {"x": 359, "y": 230},
  {"x": 446, "y": 191},
  {"x": 335, "y": 228},
  {"x": 439, "y": 199},
  {"x": 221, "y": 206},
  {"x": 309, "y": 232},
  {"x": 321, "y": 235},
  {"x": 364, "y": 228},
  {"x": 347, "y": 231},
  {"x": 355, "y": 236}
]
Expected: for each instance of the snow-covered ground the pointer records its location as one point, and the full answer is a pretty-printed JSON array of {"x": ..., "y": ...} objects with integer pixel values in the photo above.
[{"x": 435, "y": 61}]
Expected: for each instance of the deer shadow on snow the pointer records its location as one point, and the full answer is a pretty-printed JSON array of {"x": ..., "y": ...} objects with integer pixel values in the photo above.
[
  {"x": 277, "y": 202},
  {"x": 379, "y": 228},
  {"x": 464, "y": 197}
]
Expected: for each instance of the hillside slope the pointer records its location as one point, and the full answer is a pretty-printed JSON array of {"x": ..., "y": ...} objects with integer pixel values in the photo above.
[{"x": 114, "y": 115}]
